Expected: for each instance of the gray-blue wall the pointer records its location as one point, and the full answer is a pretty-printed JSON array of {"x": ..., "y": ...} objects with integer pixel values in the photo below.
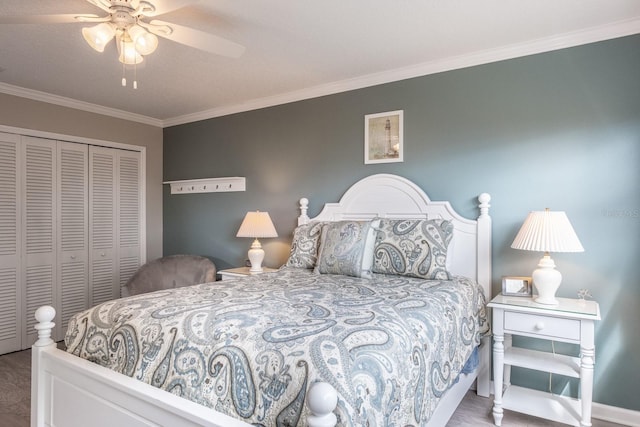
[{"x": 558, "y": 130}]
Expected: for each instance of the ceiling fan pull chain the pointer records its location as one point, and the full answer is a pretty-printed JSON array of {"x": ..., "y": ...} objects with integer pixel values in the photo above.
[
  {"x": 135, "y": 76},
  {"x": 124, "y": 79}
]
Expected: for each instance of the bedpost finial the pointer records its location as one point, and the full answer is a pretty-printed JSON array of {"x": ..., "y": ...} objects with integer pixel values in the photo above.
[
  {"x": 322, "y": 400},
  {"x": 44, "y": 315},
  {"x": 484, "y": 205}
]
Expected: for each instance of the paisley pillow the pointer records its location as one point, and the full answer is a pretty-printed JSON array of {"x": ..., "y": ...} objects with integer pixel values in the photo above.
[
  {"x": 304, "y": 248},
  {"x": 346, "y": 247},
  {"x": 416, "y": 248}
]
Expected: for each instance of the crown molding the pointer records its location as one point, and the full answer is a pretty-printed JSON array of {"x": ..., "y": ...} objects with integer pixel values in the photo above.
[
  {"x": 76, "y": 104},
  {"x": 562, "y": 41},
  {"x": 576, "y": 38}
]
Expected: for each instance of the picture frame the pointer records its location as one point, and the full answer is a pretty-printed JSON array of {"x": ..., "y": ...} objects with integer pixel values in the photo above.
[
  {"x": 383, "y": 137},
  {"x": 517, "y": 286}
]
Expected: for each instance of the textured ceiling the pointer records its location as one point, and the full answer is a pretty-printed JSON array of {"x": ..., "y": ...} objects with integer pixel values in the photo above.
[{"x": 294, "y": 49}]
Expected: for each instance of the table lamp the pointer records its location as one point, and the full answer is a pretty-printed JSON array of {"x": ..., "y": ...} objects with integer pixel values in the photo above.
[
  {"x": 256, "y": 225},
  {"x": 547, "y": 231}
]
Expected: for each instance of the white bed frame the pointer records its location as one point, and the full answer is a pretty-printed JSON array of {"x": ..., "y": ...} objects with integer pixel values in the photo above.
[{"x": 67, "y": 391}]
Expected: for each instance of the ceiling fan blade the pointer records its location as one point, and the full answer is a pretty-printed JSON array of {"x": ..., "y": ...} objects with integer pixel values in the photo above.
[
  {"x": 197, "y": 39},
  {"x": 102, "y": 4},
  {"x": 165, "y": 6},
  {"x": 45, "y": 19}
]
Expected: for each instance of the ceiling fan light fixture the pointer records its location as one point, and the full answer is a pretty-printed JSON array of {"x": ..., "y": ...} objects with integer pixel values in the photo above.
[
  {"x": 145, "y": 42},
  {"x": 132, "y": 24},
  {"x": 99, "y": 35},
  {"x": 128, "y": 53}
]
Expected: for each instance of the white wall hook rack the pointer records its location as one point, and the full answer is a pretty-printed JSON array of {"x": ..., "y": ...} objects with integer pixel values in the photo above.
[{"x": 208, "y": 185}]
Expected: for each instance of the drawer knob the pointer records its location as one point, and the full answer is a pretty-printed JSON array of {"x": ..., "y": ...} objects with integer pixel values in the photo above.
[{"x": 539, "y": 326}]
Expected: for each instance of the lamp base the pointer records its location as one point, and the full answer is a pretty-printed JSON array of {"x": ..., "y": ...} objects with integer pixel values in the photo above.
[
  {"x": 547, "y": 280},
  {"x": 551, "y": 301},
  {"x": 256, "y": 255}
]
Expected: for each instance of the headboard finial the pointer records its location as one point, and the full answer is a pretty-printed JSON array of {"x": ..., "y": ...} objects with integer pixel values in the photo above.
[
  {"x": 484, "y": 200},
  {"x": 304, "y": 205}
]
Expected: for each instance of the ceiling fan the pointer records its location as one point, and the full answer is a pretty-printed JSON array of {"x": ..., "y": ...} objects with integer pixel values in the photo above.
[{"x": 127, "y": 22}]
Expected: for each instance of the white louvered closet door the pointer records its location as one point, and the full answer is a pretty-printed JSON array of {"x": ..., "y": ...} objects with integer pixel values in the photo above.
[
  {"x": 71, "y": 228},
  {"x": 73, "y": 232},
  {"x": 39, "y": 229},
  {"x": 115, "y": 206},
  {"x": 129, "y": 206},
  {"x": 10, "y": 248},
  {"x": 103, "y": 273}
]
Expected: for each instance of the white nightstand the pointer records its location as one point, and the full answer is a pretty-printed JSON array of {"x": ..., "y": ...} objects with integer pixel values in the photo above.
[
  {"x": 235, "y": 273},
  {"x": 570, "y": 321}
]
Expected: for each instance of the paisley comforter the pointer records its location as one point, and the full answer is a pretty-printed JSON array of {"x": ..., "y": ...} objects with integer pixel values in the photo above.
[{"x": 250, "y": 348}]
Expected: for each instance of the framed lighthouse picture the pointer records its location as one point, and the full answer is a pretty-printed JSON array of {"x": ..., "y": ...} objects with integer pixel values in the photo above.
[{"x": 383, "y": 137}]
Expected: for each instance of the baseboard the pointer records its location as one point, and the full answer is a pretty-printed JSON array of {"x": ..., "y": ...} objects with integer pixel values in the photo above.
[{"x": 613, "y": 414}]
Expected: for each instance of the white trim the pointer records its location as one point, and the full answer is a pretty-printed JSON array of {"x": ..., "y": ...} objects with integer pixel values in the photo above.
[
  {"x": 62, "y": 101},
  {"x": 576, "y": 38},
  {"x": 71, "y": 138},
  {"x": 614, "y": 414},
  {"x": 586, "y": 36}
]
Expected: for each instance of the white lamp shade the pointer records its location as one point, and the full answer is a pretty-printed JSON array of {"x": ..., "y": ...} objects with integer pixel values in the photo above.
[
  {"x": 99, "y": 35},
  {"x": 256, "y": 225},
  {"x": 145, "y": 42},
  {"x": 547, "y": 231}
]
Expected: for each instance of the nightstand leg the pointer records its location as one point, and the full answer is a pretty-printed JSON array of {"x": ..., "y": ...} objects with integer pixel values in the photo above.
[
  {"x": 498, "y": 375},
  {"x": 587, "y": 362},
  {"x": 507, "y": 368}
]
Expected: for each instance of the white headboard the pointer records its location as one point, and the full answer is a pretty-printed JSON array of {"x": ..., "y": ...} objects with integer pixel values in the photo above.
[{"x": 392, "y": 196}]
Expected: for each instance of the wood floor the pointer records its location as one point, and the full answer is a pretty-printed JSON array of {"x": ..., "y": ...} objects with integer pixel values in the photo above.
[{"x": 15, "y": 377}]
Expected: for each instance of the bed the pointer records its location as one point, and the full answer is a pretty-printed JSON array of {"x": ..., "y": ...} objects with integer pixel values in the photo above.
[{"x": 329, "y": 352}]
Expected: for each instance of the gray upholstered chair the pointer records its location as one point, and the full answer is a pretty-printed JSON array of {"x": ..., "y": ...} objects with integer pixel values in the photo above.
[{"x": 173, "y": 271}]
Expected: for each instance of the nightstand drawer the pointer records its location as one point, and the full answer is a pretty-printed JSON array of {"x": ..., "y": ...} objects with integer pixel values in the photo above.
[{"x": 543, "y": 326}]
